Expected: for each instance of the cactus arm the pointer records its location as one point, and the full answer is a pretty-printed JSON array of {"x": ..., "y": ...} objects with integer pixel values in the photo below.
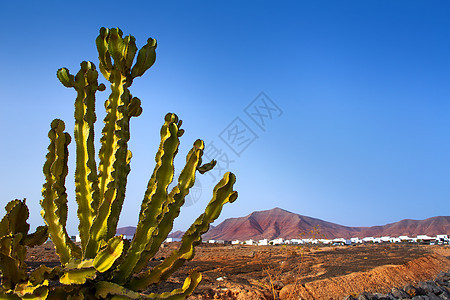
[
  {"x": 179, "y": 294},
  {"x": 109, "y": 147},
  {"x": 105, "y": 289},
  {"x": 104, "y": 260},
  {"x": 114, "y": 156},
  {"x": 15, "y": 220},
  {"x": 223, "y": 193},
  {"x": 37, "y": 238},
  {"x": 146, "y": 58},
  {"x": 86, "y": 182},
  {"x": 14, "y": 237},
  {"x": 54, "y": 202},
  {"x": 4, "y": 223},
  {"x": 207, "y": 167},
  {"x": 10, "y": 271},
  {"x": 78, "y": 276},
  {"x": 78, "y": 272},
  {"x": 105, "y": 65},
  {"x": 29, "y": 291},
  {"x": 172, "y": 206},
  {"x": 42, "y": 273},
  {"x": 12, "y": 260},
  {"x": 154, "y": 199},
  {"x": 8, "y": 296}
]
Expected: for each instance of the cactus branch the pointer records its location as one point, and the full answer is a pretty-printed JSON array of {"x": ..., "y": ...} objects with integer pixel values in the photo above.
[
  {"x": 223, "y": 193},
  {"x": 86, "y": 181},
  {"x": 114, "y": 155},
  {"x": 175, "y": 200},
  {"x": 155, "y": 197},
  {"x": 54, "y": 202}
]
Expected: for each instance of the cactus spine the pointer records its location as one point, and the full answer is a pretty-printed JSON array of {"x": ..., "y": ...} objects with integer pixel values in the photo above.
[{"x": 105, "y": 266}]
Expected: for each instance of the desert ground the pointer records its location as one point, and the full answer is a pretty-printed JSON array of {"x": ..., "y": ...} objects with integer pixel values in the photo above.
[{"x": 293, "y": 272}]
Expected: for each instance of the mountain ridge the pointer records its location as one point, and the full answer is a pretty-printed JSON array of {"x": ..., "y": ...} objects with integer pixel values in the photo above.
[{"x": 280, "y": 223}]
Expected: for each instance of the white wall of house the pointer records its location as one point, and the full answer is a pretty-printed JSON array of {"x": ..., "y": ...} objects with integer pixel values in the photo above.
[
  {"x": 278, "y": 241},
  {"x": 385, "y": 238},
  {"x": 368, "y": 239},
  {"x": 263, "y": 242},
  {"x": 442, "y": 236}
]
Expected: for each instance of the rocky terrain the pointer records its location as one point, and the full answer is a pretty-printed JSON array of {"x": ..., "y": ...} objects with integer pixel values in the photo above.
[
  {"x": 439, "y": 288},
  {"x": 291, "y": 272}
]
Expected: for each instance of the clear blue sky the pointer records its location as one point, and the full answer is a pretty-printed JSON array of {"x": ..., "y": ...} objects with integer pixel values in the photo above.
[{"x": 361, "y": 137}]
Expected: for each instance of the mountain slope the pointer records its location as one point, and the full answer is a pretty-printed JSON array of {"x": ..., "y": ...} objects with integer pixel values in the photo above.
[{"x": 279, "y": 223}]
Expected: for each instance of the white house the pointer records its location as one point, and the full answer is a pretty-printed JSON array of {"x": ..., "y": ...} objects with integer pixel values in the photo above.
[
  {"x": 249, "y": 242},
  {"x": 442, "y": 238},
  {"x": 340, "y": 241},
  {"x": 385, "y": 239},
  {"x": 356, "y": 240},
  {"x": 170, "y": 240},
  {"x": 278, "y": 241},
  {"x": 405, "y": 238},
  {"x": 425, "y": 238},
  {"x": 325, "y": 241},
  {"x": 263, "y": 242},
  {"x": 236, "y": 242},
  {"x": 395, "y": 240},
  {"x": 296, "y": 241}
]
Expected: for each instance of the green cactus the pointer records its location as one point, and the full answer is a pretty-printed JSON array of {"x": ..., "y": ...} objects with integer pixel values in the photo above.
[{"x": 104, "y": 265}]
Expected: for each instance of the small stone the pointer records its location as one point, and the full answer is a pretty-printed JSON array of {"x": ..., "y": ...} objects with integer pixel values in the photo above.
[
  {"x": 411, "y": 290},
  {"x": 392, "y": 297},
  {"x": 363, "y": 296},
  {"x": 445, "y": 291},
  {"x": 442, "y": 276},
  {"x": 380, "y": 296},
  {"x": 278, "y": 285},
  {"x": 219, "y": 279},
  {"x": 429, "y": 287},
  {"x": 399, "y": 294},
  {"x": 432, "y": 296},
  {"x": 444, "y": 296}
]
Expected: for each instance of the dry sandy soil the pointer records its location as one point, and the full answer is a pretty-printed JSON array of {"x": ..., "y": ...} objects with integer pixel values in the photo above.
[{"x": 290, "y": 272}]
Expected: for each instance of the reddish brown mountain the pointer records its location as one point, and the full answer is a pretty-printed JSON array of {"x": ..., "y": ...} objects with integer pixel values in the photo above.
[
  {"x": 177, "y": 234},
  {"x": 279, "y": 223},
  {"x": 431, "y": 227},
  {"x": 128, "y": 231}
]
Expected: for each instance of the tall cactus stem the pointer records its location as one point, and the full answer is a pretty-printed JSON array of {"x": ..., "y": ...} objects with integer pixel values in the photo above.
[
  {"x": 171, "y": 208},
  {"x": 155, "y": 197},
  {"x": 54, "y": 202},
  {"x": 86, "y": 182},
  {"x": 223, "y": 193}
]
